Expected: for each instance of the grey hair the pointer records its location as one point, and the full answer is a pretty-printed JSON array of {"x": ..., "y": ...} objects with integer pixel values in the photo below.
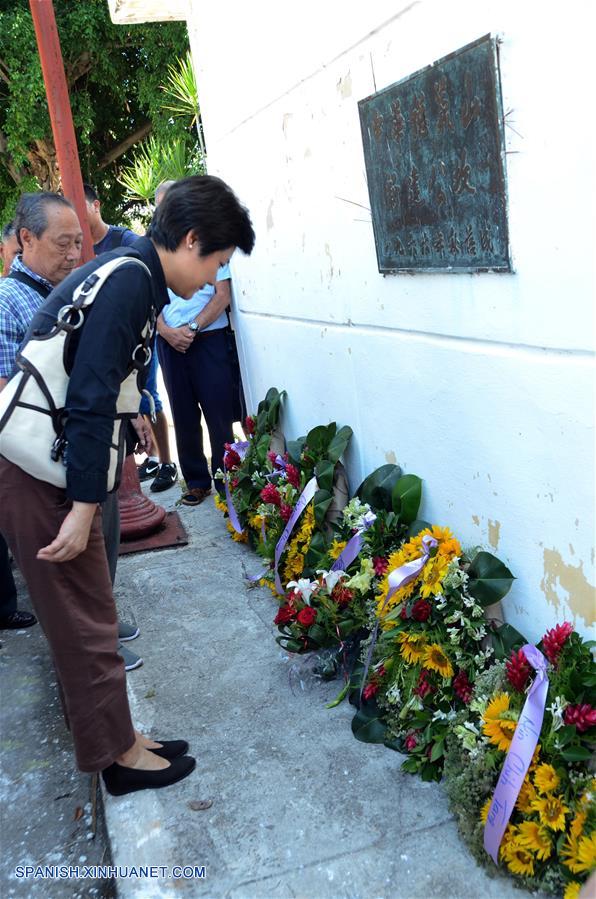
[
  {"x": 8, "y": 230},
  {"x": 161, "y": 189},
  {"x": 31, "y": 212}
]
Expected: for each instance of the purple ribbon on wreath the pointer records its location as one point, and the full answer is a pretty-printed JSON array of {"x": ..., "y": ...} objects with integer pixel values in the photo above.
[
  {"x": 305, "y": 497},
  {"x": 240, "y": 447},
  {"x": 353, "y": 547},
  {"x": 397, "y": 579},
  {"x": 519, "y": 755}
]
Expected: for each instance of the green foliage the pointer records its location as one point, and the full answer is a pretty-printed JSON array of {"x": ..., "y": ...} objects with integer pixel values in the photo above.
[
  {"x": 114, "y": 73},
  {"x": 490, "y": 579},
  {"x": 377, "y": 488}
]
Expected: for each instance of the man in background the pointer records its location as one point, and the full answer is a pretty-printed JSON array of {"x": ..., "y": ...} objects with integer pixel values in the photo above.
[
  {"x": 105, "y": 237},
  {"x": 9, "y": 247}
]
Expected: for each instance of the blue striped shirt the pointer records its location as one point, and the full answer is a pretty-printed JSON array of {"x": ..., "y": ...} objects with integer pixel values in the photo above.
[{"x": 18, "y": 305}]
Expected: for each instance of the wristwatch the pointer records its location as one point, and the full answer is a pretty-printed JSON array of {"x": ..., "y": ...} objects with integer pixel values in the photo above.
[{"x": 193, "y": 326}]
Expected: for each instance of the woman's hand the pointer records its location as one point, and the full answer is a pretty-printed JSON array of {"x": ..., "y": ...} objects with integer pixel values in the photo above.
[{"x": 72, "y": 537}]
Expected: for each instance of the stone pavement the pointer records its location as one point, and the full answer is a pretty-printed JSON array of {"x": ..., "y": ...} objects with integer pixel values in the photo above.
[{"x": 300, "y": 808}]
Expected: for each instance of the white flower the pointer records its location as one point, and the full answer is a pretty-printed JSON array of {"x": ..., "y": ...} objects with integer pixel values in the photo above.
[
  {"x": 454, "y": 634},
  {"x": 477, "y": 633},
  {"x": 355, "y": 512},
  {"x": 393, "y": 695},
  {"x": 332, "y": 577},
  {"x": 556, "y": 709},
  {"x": 304, "y": 588}
]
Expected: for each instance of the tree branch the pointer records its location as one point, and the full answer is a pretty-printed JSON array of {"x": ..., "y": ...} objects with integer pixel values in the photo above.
[
  {"x": 16, "y": 173},
  {"x": 125, "y": 145}
]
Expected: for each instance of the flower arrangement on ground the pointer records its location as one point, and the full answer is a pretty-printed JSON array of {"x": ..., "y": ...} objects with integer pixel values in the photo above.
[
  {"x": 431, "y": 646},
  {"x": 550, "y": 841}
]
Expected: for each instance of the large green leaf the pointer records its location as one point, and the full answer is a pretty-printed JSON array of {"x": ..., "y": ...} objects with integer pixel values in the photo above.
[
  {"x": 319, "y": 438},
  {"x": 377, "y": 488},
  {"x": 367, "y": 725},
  {"x": 490, "y": 580},
  {"x": 339, "y": 443},
  {"x": 504, "y": 639},
  {"x": 322, "y": 501},
  {"x": 324, "y": 472},
  {"x": 576, "y": 754},
  {"x": 406, "y": 496},
  {"x": 295, "y": 448}
]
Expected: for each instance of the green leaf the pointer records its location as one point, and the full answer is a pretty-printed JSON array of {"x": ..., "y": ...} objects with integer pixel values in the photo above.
[
  {"x": 322, "y": 501},
  {"x": 339, "y": 443},
  {"x": 318, "y": 439},
  {"x": 324, "y": 473},
  {"x": 318, "y": 634},
  {"x": 490, "y": 580},
  {"x": 566, "y": 734},
  {"x": 576, "y": 754},
  {"x": 295, "y": 448},
  {"x": 416, "y": 527},
  {"x": 410, "y": 766},
  {"x": 437, "y": 751},
  {"x": 504, "y": 639},
  {"x": 339, "y": 698},
  {"x": 377, "y": 488},
  {"x": 367, "y": 726},
  {"x": 406, "y": 496},
  {"x": 393, "y": 744}
]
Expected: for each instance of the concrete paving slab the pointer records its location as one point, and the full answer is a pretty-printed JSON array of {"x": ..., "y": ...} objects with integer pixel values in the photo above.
[{"x": 300, "y": 808}]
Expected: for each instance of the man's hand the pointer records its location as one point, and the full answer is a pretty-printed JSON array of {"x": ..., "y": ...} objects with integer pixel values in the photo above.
[
  {"x": 179, "y": 338},
  {"x": 72, "y": 537},
  {"x": 144, "y": 433}
]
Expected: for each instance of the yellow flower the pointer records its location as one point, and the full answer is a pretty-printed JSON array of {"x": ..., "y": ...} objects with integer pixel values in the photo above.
[
  {"x": 413, "y": 647},
  {"x": 220, "y": 503},
  {"x": 551, "y": 811},
  {"x": 236, "y": 537},
  {"x": 577, "y": 825},
  {"x": 535, "y": 838},
  {"x": 497, "y": 728},
  {"x": 432, "y": 576},
  {"x": 546, "y": 779},
  {"x": 484, "y": 810},
  {"x": 509, "y": 838},
  {"x": 255, "y": 521},
  {"x": 337, "y": 548},
  {"x": 586, "y": 854},
  {"x": 519, "y": 859},
  {"x": 526, "y": 797},
  {"x": 294, "y": 562},
  {"x": 572, "y": 890},
  {"x": 436, "y": 659}
]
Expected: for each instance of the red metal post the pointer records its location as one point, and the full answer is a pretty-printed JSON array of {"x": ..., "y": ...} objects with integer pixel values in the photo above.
[{"x": 54, "y": 78}]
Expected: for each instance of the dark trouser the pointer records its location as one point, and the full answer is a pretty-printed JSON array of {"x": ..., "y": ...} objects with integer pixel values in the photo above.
[
  {"x": 76, "y": 610},
  {"x": 110, "y": 525},
  {"x": 8, "y": 590},
  {"x": 200, "y": 380}
]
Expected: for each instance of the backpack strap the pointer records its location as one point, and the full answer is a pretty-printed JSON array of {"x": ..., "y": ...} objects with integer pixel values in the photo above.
[{"x": 24, "y": 278}]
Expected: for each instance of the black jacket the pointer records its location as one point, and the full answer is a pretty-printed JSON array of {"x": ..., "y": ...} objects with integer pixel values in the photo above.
[{"x": 99, "y": 358}]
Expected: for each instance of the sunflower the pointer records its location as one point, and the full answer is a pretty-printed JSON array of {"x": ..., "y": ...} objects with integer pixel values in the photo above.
[
  {"x": 552, "y": 812},
  {"x": 526, "y": 797},
  {"x": 220, "y": 503},
  {"x": 255, "y": 521},
  {"x": 413, "y": 647},
  {"x": 496, "y": 727},
  {"x": 586, "y": 853},
  {"x": 535, "y": 838},
  {"x": 577, "y": 825},
  {"x": 572, "y": 890},
  {"x": 546, "y": 779},
  {"x": 436, "y": 659},
  {"x": 519, "y": 859},
  {"x": 238, "y": 538},
  {"x": 337, "y": 548},
  {"x": 485, "y": 809},
  {"x": 432, "y": 576},
  {"x": 509, "y": 838}
]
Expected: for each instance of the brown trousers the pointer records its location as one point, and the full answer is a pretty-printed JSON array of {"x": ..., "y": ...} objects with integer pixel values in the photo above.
[{"x": 75, "y": 607}]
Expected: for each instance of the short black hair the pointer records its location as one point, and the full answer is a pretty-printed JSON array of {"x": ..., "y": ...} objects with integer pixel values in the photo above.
[
  {"x": 90, "y": 193},
  {"x": 8, "y": 230},
  {"x": 206, "y": 205},
  {"x": 31, "y": 212}
]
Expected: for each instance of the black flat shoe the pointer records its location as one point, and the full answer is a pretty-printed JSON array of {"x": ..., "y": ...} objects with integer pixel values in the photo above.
[
  {"x": 170, "y": 749},
  {"x": 120, "y": 780}
]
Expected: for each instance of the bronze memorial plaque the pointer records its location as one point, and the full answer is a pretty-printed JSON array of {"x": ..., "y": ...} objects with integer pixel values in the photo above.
[{"x": 435, "y": 162}]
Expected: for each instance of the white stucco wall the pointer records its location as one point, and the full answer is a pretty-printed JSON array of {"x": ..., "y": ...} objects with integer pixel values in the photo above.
[{"x": 481, "y": 384}]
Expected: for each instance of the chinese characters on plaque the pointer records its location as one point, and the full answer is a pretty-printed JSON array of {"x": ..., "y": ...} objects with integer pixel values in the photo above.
[{"x": 434, "y": 152}]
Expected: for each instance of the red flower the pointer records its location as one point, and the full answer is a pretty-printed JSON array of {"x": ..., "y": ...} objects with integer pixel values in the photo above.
[
  {"x": 272, "y": 456},
  {"x": 270, "y": 494},
  {"x": 518, "y": 670},
  {"x": 554, "y": 641},
  {"x": 404, "y": 612},
  {"x": 307, "y": 616},
  {"x": 582, "y": 716},
  {"x": 284, "y": 615},
  {"x": 249, "y": 425},
  {"x": 421, "y": 610},
  {"x": 234, "y": 483},
  {"x": 231, "y": 458},
  {"x": 462, "y": 686},
  {"x": 342, "y": 595},
  {"x": 423, "y": 688},
  {"x": 380, "y": 565},
  {"x": 293, "y": 475},
  {"x": 370, "y": 690},
  {"x": 411, "y": 742},
  {"x": 285, "y": 511}
]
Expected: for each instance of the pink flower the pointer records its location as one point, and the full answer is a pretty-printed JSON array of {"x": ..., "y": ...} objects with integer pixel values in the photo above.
[
  {"x": 411, "y": 742},
  {"x": 554, "y": 641},
  {"x": 285, "y": 511},
  {"x": 272, "y": 456},
  {"x": 518, "y": 670},
  {"x": 462, "y": 686},
  {"x": 380, "y": 565},
  {"x": 423, "y": 687},
  {"x": 370, "y": 690},
  {"x": 270, "y": 494},
  {"x": 249, "y": 424},
  {"x": 582, "y": 716},
  {"x": 293, "y": 475}
]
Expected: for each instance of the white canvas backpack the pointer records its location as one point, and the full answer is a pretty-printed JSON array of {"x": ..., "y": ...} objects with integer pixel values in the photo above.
[{"x": 32, "y": 414}]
